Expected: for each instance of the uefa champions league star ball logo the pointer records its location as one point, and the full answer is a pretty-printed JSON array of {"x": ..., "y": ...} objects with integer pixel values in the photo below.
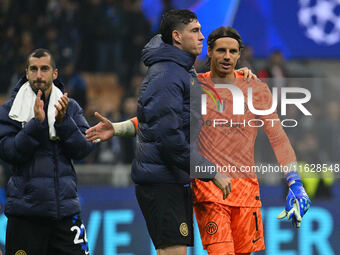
[{"x": 321, "y": 18}]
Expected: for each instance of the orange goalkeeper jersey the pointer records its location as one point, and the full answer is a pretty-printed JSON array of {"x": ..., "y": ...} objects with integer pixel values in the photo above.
[{"x": 232, "y": 145}]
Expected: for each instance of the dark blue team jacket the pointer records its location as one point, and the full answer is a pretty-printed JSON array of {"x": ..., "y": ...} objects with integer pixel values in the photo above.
[
  {"x": 44, "y": 182},
  {"x": 164, "y": 112}
]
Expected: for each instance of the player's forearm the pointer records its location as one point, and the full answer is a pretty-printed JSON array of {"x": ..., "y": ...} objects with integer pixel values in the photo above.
[
  {"x": 286, "y": 157},
  {"x": 284, "y": 153},
  {"x": 125, "y": 128},
  {"x": 280, "y": 143}
]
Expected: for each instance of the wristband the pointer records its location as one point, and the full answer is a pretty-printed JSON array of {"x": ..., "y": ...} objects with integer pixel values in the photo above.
[
  {"x": 293, "y": 174},
  {"x": 124, "y": 129}
]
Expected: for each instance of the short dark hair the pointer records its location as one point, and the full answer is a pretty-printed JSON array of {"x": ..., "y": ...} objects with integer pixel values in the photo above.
[
  {"x": 224, "y": 32},
  {"x": 175, "y": 19},
  {"x": 38, "y": 53}
]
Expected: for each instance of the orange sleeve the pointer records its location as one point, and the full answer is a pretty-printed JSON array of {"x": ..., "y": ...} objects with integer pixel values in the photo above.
[
  {"x": 135, "y": 123},
  {"x": 277, "y": 136},
  {"x": 280, "y": 143}
]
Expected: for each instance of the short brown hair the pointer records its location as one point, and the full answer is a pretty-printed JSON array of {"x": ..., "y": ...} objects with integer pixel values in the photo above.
[{"x": 38, "y": 53}]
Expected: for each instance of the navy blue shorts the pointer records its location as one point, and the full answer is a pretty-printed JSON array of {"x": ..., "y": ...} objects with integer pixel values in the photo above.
[
  {"x": 168, "y": 213},
  {"x": 40, "y": 236}
]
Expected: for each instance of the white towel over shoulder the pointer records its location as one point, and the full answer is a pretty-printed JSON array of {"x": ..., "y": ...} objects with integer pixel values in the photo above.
[{"x": 22, "y": 109}]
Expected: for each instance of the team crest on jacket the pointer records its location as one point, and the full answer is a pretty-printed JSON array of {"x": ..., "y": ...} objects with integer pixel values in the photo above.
[{"x": 183, "y": 229}]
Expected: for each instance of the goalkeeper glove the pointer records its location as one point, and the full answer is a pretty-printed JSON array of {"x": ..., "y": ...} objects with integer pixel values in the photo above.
[{"x": 297, "y": 201}]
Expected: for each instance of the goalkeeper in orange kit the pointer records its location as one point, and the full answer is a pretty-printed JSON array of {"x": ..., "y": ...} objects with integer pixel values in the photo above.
[{"x": 233, "y": 225}]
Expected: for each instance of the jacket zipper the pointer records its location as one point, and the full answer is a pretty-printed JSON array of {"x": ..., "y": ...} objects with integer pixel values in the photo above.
[{"x": 56, "y": 179}]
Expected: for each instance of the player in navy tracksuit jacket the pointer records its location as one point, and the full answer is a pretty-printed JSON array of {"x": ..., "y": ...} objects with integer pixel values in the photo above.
[
  {"x": 169, "y": 121},
  {"x": 42, "y": 203},
  {"x": 166, "y": 105}
]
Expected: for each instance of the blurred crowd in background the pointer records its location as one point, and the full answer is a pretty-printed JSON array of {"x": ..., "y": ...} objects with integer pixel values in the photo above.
[{"x": 97, "y": 46}]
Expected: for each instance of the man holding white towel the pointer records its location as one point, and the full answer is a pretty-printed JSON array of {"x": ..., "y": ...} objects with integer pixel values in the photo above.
[{"x": 41, "y": 131}]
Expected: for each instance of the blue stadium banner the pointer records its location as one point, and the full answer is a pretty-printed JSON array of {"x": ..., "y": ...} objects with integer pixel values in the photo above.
[
  {"x": 299, "y": 28},
  {"x": 115, "y": 224}
]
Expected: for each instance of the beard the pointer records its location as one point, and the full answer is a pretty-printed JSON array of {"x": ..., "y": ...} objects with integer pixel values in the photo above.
[{"x": 39, "y": 84}]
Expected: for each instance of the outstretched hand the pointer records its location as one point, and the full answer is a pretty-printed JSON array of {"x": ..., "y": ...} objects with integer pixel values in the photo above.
[{"x": 100, "y": 132}]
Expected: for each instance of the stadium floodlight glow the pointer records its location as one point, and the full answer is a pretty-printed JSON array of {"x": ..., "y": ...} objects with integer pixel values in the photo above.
[{"x": 239, "y": 106}]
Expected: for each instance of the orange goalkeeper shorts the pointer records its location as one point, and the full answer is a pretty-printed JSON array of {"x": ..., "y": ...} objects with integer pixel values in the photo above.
[{"x": 229, "y": 229}]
